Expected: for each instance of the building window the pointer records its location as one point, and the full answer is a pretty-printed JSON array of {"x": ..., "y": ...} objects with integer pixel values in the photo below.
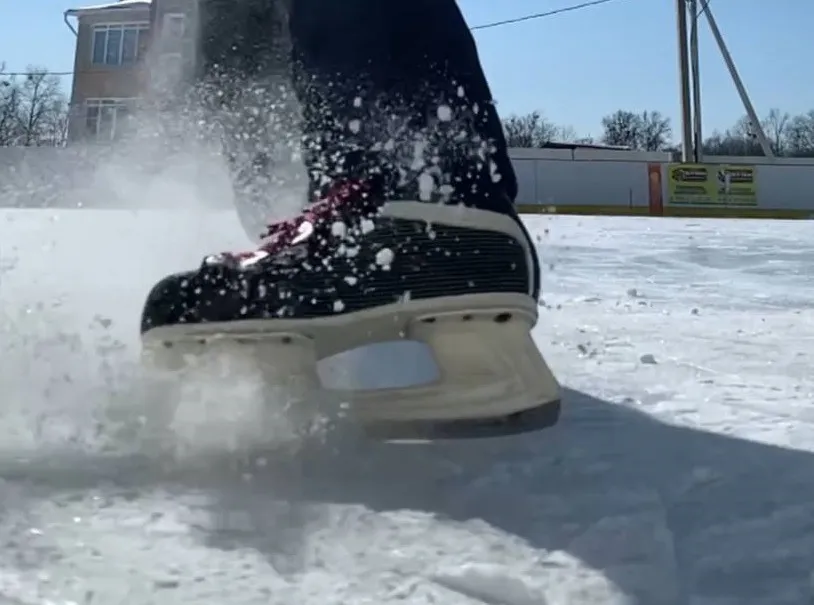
[
  {"x": 107, "y": 119},
  {"x": 119, "y": 44}
]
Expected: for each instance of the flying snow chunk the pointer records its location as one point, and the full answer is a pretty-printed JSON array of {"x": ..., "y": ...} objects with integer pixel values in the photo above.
[
  {"x": 339, "y": 229},
  {"x": 384, "y": 258},
  {"x": 494, "y": 172},
  {"x": 367, "y": 226},
  {"x": 426, "y": 186},
  {"x": 444, "y": 113}
]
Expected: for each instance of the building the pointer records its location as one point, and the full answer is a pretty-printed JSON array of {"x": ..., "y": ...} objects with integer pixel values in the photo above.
[{"x": 117, "y": 60}]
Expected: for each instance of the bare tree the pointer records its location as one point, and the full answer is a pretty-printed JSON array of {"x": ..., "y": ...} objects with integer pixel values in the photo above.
[
  {"x": 43, "y": 105},
  {"x": 654, "y": 131},
  {"x": 530, "y": 130},
  {"x": 621, "y": 128},
  {"x": 33, "y": 110},
  {"x": 53, "y": 130},
  {"x": 739, "y": 140},
  {"x": 9, "y": 108},
  {"x": 775, "y": 125},
  {"x": 723, "y": 143},
  {"x": 800, "y": 135},
  {"x": 648, "y": 130}
]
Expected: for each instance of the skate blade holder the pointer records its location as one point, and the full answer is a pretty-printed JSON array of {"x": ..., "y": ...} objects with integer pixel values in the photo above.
[
  {"x": 491, "y": 380},
  {"x": 280, "y": 357}
]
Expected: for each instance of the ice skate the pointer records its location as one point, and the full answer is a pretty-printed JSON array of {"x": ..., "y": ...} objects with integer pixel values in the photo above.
[{"x": 354, "y": 270}]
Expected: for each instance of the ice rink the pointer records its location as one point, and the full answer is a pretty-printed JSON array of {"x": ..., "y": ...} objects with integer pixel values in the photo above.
[{"x": 682, "y": 472}]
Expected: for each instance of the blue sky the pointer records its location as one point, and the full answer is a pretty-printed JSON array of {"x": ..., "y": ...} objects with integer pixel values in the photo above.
[{"x": 575, "y": 67}]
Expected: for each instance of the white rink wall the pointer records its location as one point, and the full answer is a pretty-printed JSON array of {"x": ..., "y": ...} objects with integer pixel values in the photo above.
[
  {"x": 569, "y": 180},
  {"x": 617, "y": 182},
  {"x": 581, "y": 181},
  {"x": 144, "y": 176}
]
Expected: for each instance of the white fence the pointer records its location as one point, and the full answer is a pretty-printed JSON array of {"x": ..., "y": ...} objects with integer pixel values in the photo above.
[{"x": 584, "y": 181}]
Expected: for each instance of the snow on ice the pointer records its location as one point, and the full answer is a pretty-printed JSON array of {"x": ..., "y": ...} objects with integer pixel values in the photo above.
[{"x": 682, "y": 472}]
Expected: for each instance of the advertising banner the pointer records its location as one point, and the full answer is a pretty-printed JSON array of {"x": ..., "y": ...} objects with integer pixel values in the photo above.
[{"x": 731, "y": 185}]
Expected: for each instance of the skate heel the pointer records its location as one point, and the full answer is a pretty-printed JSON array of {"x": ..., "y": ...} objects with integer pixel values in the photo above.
[{"x": 492, "y": 379}]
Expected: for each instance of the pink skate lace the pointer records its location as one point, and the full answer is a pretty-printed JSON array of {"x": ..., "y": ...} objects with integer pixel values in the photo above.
[{"x": 347, "y": 198}]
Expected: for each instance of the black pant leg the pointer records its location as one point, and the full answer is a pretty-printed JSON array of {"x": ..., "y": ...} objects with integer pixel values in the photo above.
[
  {"x": 375, "y": 81},
  {"x": 396, "y": 88}
]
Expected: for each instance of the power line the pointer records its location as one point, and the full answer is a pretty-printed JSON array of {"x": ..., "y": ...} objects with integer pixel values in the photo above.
[
  {"x": 551, "y": 13},
  {"x": 493, "y": 24},
  {"x": 36, "y": 73}
]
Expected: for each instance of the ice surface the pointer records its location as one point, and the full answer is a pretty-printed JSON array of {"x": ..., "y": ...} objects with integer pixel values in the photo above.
[{"x": 682, "y": 472}]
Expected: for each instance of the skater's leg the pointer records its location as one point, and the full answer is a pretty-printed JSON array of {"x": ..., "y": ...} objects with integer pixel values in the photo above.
[
  {"x": 383, "y": 82},
  {"x": 375, "y": 82},
  {"x": 244, "y": 86}
]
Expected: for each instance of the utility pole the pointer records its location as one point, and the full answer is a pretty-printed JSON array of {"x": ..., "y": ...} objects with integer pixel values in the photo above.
[
  {"x": 695, "y": 68},
  {"x": 684, "y": 82},
  {"x": 733, "y": 71}
]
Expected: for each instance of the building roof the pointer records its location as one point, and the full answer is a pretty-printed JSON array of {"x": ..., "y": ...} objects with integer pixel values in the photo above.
[
  {"x": 120, "y": 5},
  {"x": 556, "y": 145}
]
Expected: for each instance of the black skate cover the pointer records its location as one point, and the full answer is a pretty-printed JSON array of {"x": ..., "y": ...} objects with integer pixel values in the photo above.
[{"x": 389, "y": 258}]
